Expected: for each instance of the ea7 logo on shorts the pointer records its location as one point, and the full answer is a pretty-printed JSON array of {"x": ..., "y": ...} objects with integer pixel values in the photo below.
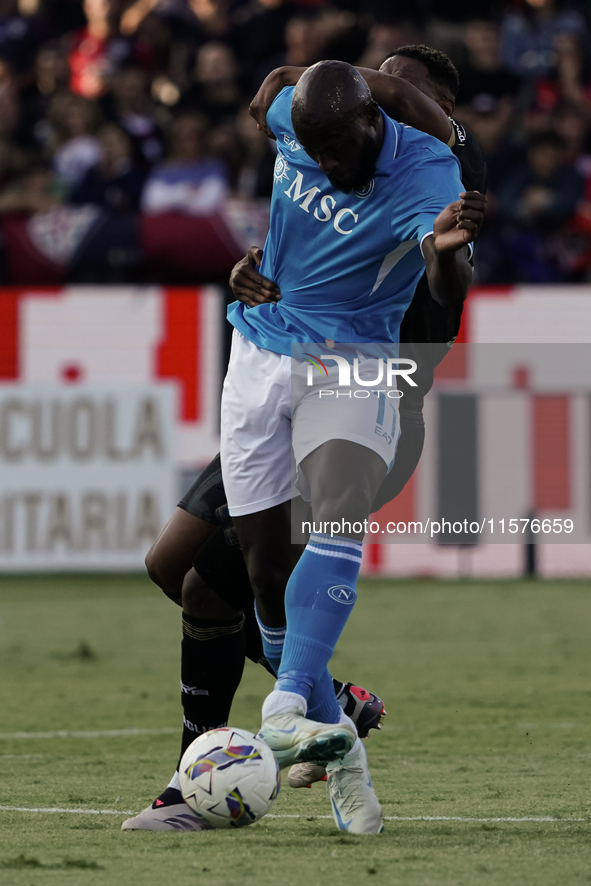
[
  {"x": 343, "y": 594},
  {"x": 382, "y": 433}
]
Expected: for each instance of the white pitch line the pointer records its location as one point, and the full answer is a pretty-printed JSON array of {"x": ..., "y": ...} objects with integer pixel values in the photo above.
[
  {"x": 498, "y": 820},
  {"x": 98, "y": 733},
  {"x": 173, "y": 730},
  {"x": 21, "y": 756},
  {"x": 53, "y": 809},
  {"x": 541, "y": 819}
]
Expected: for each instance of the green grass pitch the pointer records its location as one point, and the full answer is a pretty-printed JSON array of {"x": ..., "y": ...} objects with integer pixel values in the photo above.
[{"x": 488, "y": 691}]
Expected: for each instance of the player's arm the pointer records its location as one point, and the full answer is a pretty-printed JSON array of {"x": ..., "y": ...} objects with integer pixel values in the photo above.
[
  {"x": 399, "y": 99},
  {"x": 407, "y": 104},
  {"x": 268, "y": 92},
  {"x": 446, "y": 254},
  {"x": 248, "y": 285}
]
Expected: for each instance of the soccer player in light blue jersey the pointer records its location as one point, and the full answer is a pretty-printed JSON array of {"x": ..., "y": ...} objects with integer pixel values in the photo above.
[{"x": 360, "y": 206}]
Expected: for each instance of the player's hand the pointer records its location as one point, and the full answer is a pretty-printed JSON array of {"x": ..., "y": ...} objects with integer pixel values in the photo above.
[
  {"x": 268, "y": 92},
  {"x": 258, "y": 109},
  {"x": 460, "y": 222},
  {"x": 248, "y": 285}
]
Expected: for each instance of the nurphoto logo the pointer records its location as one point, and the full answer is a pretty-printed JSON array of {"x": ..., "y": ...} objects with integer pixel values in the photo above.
[{"x": 384, "y": 370}]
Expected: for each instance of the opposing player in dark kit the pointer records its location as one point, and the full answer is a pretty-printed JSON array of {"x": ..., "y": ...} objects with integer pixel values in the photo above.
[{"x": 214, "y": 624}]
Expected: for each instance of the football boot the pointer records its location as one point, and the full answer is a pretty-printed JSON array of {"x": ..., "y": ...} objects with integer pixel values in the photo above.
[
  {"x": 168, "y": 812},
  {"x": 364, "y": 708},
  {"x": 295, "y": 739},
  {"x": 355, "y": 807}
]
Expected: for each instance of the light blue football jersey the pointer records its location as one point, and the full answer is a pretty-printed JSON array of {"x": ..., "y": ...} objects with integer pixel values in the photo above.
[{"x": 346, "y": 264}]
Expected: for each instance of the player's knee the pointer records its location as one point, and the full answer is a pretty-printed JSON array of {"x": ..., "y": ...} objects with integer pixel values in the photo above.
[
  {"x": 152, "y": 562},
  {"x": 159, "y": 574}
]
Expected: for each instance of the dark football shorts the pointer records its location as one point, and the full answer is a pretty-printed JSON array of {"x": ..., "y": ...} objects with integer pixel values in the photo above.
[
  {"x": 206, "y": 494},
  {"x": 219, "y": 561}
]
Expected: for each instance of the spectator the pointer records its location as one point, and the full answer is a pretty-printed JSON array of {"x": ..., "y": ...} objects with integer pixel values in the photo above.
[
  {"x": 535, "y": 202},
  {"x": 573, "y": 79},
  {"x": 13, "y": 162},
  {"x": 446, "y": 22},
  {"x": 135, "y": 62},
  {"x": 51, "y": 76},
  {"x": 30, "y": 192},
  {"x": 20, "y": 37},
  {"x": 130, "y": 106},
  {"x": 9, "y": 103},
  {"x": 573, "y": 128},
  {"x": 153, "y": 45},
  {"x": 490, "y": 121},
  {"x": 342, "y": 34},
  {"x": 255, "y": 170},
  {"x": 116, "y": 182},
  {"x": 97, "y": 50},
  {"x": 189, "y": 181},
  {"x": 483, "y": 76},
  {"x": 215, "y": 91},
  {"x": 530, "y": 32},
  {"x": 134, "y": 15},
  {"x": 303, "y": 47},
  {"x": 75, "y": 147},
  {"x": 259, "y": 35},
  {"x": 542, "y": 192},
  {"x": 207, "y": 20},
  {"x": 384, "y": 39}
]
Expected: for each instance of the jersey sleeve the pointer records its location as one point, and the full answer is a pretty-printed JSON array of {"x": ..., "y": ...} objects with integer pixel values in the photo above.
[
  {"x": 433, "y": 181},
  {"x": 279, "y": 114}
]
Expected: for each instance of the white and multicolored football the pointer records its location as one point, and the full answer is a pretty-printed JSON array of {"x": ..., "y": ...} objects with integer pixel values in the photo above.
[{"x": 229, "y": 777}]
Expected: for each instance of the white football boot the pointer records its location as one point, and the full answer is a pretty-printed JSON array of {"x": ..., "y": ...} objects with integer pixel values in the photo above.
[
  {"x": 168, "y": 814},
  {"x": 364, "y": 708},
  {"x": 355, "y": 807},
  {"x": 295, "y": 739}
]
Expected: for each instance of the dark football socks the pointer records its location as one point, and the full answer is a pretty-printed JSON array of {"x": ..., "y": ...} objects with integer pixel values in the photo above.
[{"x": 212, "y": 661}]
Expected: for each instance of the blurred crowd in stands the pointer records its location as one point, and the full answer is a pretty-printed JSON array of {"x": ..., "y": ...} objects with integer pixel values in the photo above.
[{"x": 127, "y": 153}]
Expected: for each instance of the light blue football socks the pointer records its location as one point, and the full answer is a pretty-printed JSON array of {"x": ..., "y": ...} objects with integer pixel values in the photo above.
[
  {"x": 319, "y": 598},
  {"x": 273, "y": 639}
]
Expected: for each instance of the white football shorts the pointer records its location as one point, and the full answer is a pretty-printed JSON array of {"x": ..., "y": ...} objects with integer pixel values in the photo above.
[{"x": 266, "y": 432}]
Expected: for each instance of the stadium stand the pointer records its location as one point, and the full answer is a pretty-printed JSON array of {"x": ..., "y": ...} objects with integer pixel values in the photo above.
[{"x": 116, "y": 114}]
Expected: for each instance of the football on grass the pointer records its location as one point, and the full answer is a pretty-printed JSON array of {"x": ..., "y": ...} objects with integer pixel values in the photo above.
[{"x": 229, "y": 777}]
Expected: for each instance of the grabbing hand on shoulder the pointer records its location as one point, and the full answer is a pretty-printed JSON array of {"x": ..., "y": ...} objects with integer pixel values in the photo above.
[
  {"x": 268, "y": 92},
  {"x": 460, "y": 222},
  {"x": 448, "y": 269}
]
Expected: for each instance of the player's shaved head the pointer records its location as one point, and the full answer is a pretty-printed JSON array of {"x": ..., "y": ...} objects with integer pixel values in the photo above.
[
  {"x": 328, "y": 94},
  {"x": 338, "y": 124}
]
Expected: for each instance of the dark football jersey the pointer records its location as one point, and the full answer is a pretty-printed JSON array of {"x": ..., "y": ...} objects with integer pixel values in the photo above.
[{"x": 428, "y": 330}]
